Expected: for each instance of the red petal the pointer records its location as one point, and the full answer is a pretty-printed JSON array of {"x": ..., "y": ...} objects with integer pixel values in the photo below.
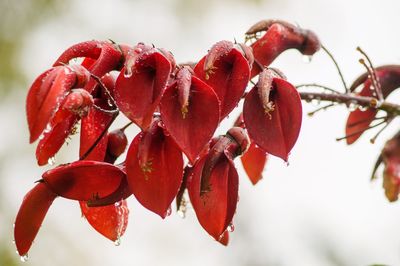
[
  {"x": 110, "y": 221},
  {"x": 224, "y": 238},
  {"x": 84, "y": 180},
  {"x": 42, "y": 109},
  {"x": 108, "y": 60},
  {"x": 92, "y": 126},
  {"x": 155, "y": 181},
  {"x": 228, "y": 77},
  {"x": 90, "y": 49},
  {"x": 279, "y": 37},
  {"x": 215, "y": 208},
  {"x": 122, "y": 192},
  {"x": 275, "y": 132},
  {"x": 139, "y": 94},
  {"x": 193, "y": 129},
  {"x": 30, "y": 216},
  {"x": 254, "y": 161},
  {"x": 359, "y": 121},
  {"x": 53, "y": 140}
]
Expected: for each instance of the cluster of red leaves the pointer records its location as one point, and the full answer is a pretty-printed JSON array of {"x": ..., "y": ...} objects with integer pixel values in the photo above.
[{"x": 178, "y": 109}]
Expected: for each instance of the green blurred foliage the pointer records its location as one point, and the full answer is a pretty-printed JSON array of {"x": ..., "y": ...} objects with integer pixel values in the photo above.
[{"x": 17, "y": 19}]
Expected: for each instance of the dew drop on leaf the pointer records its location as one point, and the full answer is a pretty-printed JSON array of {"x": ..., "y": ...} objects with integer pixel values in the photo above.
[
  {"x": 117, "y": 242},
  {"x": 51, "y": 161},
  {"x": 307, "y": 59},
  {"x": 231, "y": 227},
  {"x": 24, "y": 258}
]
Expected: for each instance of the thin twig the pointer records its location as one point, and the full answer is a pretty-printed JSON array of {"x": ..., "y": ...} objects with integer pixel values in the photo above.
[
  {"x": 337, "y": 67},
  {"x": 388, "y": 121},
  {"x": 361, "y": 131},
  {"x": 320, "y": 109},
  {"x": 317, "y": 86}
]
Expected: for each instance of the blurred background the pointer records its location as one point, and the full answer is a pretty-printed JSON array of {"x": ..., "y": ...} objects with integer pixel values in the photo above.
[{"x": 321, "y": 210}]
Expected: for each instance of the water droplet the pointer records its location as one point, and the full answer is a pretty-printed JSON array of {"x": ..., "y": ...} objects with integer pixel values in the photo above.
[
  {"x": 363, "y": 108},
  {"x": 353, "y": 106},
  {"x": 117, "y": 204},
  {"x": 169, "y": 211},
  {"x": 307, "y": 58},
  {"x": 51, "y": 160},
  {"x": 231, "y": 227},
  {"x": 109, "y": 102},
  {"x": 24, "y": 258},
  {"x": 117, "y": 242},
  {"x": 48, "y": 128},
  {"x": 128, "y": 72}
]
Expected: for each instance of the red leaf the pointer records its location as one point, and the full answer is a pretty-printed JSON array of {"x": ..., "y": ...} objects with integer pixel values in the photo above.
[
  {"x": 138, "y": 91},
  {"x": 53, "y": 140},
  {"x": 92, "y": 126},
  {"x": 90, "y": 49},
  {"x": 358, "y": 120},
  {"x": 122, "y": 192},
  {"x": 192, "y": 127},
  {"x": 84, "y": 180},
  {"x": 224, "y": 238},
  {"x": 43, "y": 101},
  {"x": 154, "y": 168},
  {"x": 215, "y": 208},
  {"x": 275, "y": 131},
  {"x": 254, "y": 161},
  {"x": 227, "y": 71},
  {"x": 110, "y": 221},
  {"x": 30, "y": 216},
  {"x": 281, "y": 36}
]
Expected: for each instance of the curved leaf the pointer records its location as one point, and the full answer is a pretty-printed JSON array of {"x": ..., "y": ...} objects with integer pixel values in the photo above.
[
  {"x": 254, "y": 160},
  {"x": 275, "y": 131},
  {"x": 215, "y": 208},
  {"x": 84, "y": 180},
  {"x": 111, "y": 221},
  {"x": 227, "y": 72},
  {"x": 194, "y": 128},
  {"x": 138, "y": 94},
  {"x": 154, "y": 168},
  {"x": 30, "y": 216}
]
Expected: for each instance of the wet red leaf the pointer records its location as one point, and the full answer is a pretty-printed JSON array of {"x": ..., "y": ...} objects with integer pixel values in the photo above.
[
  {"x": 92, "y": 126},
  {"x": 277, "y": 130},
  {"x": 84, "y": 180},
  {"x": 280, "y": 36},
  {"x": 227, "y": 71},
  {"x": 216, "y": 207},
  {"x": 139, "y": 87},
  {"x": 44, "y": 97},
  {"x": 53, "y": 140},
  {"x": 154, "y": 168},
  {"x": 360, "y": 120},
  {"x": 30, "y": 216},
  {"x": 110, "y": 221},
  {"x": 254, "y": 161},
  {"x": 193, "y": 125}
]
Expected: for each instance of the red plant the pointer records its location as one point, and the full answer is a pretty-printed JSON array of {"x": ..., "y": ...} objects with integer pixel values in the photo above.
[{"x": 178, "y": 110}]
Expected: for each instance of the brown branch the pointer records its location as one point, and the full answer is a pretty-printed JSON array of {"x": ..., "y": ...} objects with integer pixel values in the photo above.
[{"x": 349, "y": 99}]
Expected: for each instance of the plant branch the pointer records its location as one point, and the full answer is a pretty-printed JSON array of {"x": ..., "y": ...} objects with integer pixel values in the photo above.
[{"x": 348, "y": 99}]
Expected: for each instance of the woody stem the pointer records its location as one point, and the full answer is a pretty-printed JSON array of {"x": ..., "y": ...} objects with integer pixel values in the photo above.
[{"x": 350, "y": 99}]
